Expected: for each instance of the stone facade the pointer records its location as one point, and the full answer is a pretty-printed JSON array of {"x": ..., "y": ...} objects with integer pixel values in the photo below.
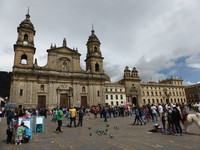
[
  {"x": 62, "y": 81},
  {"x": 193, "y": 93},
  {"x": 140, "y": 93},
  {"x": 115, "y": 94}
]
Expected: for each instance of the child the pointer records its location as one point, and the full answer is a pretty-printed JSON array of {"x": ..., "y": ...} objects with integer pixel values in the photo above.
[
  {"x": 19, "y": 134},
  {"x": 27, "y": 135},
  {"x": 67, "y": 116}
]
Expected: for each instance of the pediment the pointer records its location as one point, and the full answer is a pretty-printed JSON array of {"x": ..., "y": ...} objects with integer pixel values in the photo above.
[{"x": 63, "y": 50}]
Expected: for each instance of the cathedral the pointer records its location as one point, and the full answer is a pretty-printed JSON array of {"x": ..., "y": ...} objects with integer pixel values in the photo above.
[{"x": 62, "y": 82}]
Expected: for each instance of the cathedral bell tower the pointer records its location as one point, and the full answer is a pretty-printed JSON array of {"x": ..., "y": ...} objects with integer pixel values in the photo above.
[
  {"x": 94, "y": 59},
  {"x": 24, "y": 48}
]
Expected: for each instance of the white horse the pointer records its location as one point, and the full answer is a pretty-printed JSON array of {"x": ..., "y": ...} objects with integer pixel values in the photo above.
[{"x": 192, "y": 118}]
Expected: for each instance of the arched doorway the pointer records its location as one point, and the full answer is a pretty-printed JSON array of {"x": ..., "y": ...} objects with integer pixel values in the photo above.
[{"x": 134, "y": 101}]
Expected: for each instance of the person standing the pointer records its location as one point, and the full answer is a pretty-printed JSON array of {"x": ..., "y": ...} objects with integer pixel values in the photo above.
[
  {"x": 59, "y": 120},
  {"x": 176, "y": 118},
  {"x": 72, "y": 116},
  {"x": 105, "y": 112},
  {"x": 154, "y": 112},
  {"x": 80, "y": 117},
  {"x": 160, "y": 109}
]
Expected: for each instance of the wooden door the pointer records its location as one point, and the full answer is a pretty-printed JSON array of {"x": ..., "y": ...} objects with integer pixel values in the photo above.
[
  {"x": 41, "y": 101},
  {"x": 84, "y": 101},
  {"x": 64, "y": 101}
]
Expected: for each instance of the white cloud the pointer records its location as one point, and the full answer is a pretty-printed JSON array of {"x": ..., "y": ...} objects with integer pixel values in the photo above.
[
  {"x": 193, "y": 61},
  {"x": 150, "y": 35}
]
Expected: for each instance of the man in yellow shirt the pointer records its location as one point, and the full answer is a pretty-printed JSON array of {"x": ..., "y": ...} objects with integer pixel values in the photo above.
[{"x": 72, "y": 116}]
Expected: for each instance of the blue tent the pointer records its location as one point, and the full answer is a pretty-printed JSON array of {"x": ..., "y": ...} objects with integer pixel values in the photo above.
[{"x": 10, "y": 106}]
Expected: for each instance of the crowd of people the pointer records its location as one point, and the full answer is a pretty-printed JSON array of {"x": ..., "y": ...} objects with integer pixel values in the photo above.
[{"x": 170, "y": 116}]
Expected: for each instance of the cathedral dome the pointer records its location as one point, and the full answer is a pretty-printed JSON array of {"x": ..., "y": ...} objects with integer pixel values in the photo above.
[
  {"x": 93, "y": 38},
  {"x": 27, "y": 23}
]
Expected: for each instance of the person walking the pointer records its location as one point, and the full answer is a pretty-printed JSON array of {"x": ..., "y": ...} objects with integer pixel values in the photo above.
[
  {"x": 59, "y": 120},
  {"x": 137, "y": 116},
  {"x": 72, "y": 116}
]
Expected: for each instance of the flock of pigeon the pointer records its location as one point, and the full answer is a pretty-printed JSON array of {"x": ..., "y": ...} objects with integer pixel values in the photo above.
[{"x": 104, "y": 132}]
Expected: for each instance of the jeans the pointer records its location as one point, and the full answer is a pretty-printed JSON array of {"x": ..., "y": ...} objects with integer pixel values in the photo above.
[
  {"x": 74, "y": 120},
  {"x": 154, "y": 117},
  {"x": 178, "y": 126}
]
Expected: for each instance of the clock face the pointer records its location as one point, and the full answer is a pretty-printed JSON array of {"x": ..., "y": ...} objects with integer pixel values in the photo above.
[{"x": 25, "y": 42}]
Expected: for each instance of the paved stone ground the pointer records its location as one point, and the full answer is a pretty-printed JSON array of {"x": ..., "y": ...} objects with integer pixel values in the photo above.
[{"x": 128, "y": 137}]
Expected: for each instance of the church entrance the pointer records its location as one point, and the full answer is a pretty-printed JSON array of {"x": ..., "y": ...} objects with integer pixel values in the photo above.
[
  {"x": 84, "y": 101},
  {"x": 64, "y": 101},
  {"x": 41, "y": 101}
]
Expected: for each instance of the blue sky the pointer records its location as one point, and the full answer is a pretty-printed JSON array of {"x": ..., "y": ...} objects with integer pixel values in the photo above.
[{"x": 160, "y": 38}]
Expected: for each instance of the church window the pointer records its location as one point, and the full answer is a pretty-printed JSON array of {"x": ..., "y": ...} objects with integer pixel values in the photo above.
[
  {"x": 95, "y": 49},
  {"x": 144, "y": 101},
  {"x": 97, "y": 67},
  {"x": 116, "y": 96},
  {"x": 21, "y": 92},
  {"x": 42, "y": 88},
  {"x": 121, "y": 96},
  {"x": 25, "y": 37},
  {"x": 64, "y": 66},
  {"x": 98, "y": 93},
  {"x": 111, "y": 103},
  {"x": 24, "y": 59},
  {"x": 106, "y": 96},
  {"x": 83, "y": 89}
]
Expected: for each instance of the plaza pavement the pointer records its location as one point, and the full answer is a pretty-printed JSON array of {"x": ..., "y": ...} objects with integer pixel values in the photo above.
[{"x": 128, "y": 137}]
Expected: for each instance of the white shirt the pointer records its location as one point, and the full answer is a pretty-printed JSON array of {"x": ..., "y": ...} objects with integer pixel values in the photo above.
[
  {"x": 160, "y": 109},
  {"x": 153, "y": 109}
]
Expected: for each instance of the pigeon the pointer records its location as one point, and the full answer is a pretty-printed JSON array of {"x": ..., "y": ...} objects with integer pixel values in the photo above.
[
  {"x": 89, "y": 128},
  {"x": 107, "y": 125},
  {"x": 97, "y": 131},
  {"x": 111, "y": 136},
  {"x": 90, "y": 134},
  {"x": 106, "y": 130}
]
